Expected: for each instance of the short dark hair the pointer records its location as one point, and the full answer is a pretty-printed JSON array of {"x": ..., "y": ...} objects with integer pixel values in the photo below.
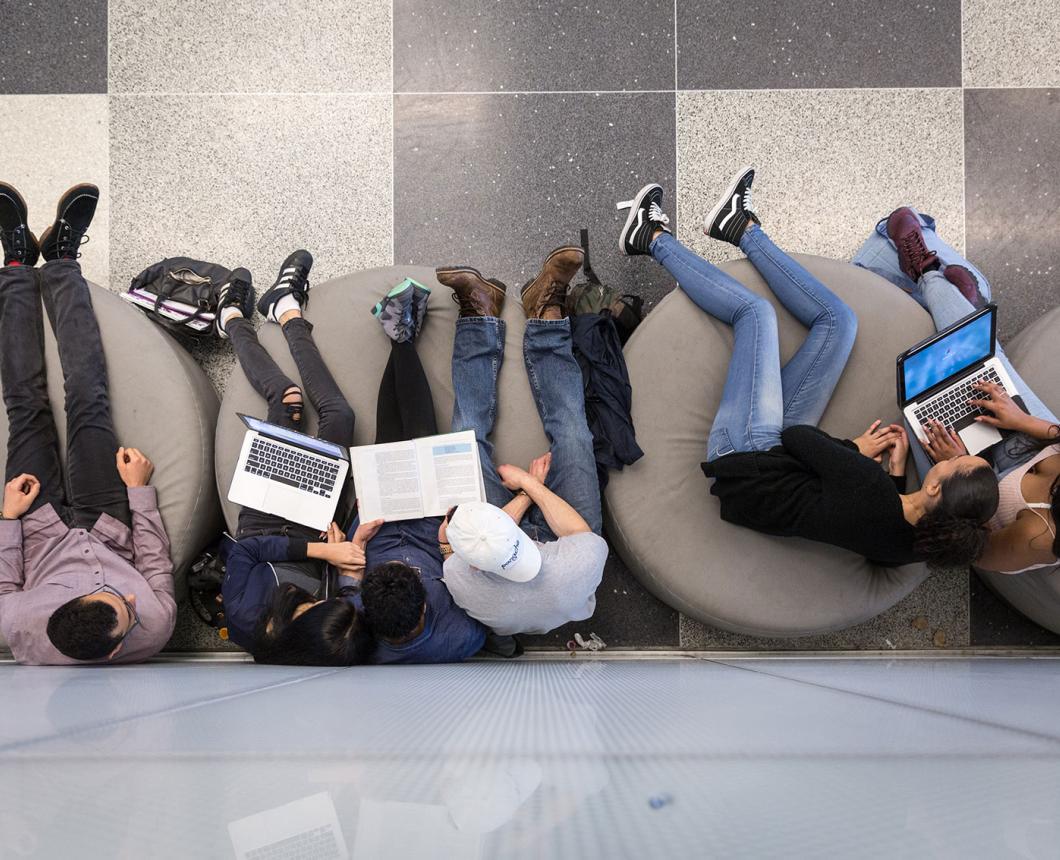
[
  {"x": 954, "y": 533},
  {"x": 329, "y": 634},
  {"x": 393, "y": 598},
  {"x": 84, "y": 629}
]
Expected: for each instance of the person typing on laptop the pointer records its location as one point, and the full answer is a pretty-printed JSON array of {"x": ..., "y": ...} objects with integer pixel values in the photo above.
[
  {"x": 773, "y": 469},
  {"x": 276, "y": 579},
  {"x": 1026, "y": 455},
  {"x": 85, "y": 573}
]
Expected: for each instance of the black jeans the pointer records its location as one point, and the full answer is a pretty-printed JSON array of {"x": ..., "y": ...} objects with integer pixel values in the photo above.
[
  {"x": 334, "y": 413},
  {"x": 92, "y": 484}
]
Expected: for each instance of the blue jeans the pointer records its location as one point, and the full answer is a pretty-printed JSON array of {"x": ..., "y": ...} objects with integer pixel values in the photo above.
[
  {"x": 946, "y": 305},
  {"x": 878, "y": 255},
  {"x": 760, "y": 397},
  {"x": 556, "y": 382}
]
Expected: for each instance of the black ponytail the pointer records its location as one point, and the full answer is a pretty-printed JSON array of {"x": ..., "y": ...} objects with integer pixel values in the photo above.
[{"x": 954, "y": 533}]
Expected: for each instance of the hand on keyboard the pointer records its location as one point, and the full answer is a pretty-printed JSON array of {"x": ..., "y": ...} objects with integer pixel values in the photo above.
[
  {"x": 1001, "y": 410},
  {"x": 942, "y": 443}
]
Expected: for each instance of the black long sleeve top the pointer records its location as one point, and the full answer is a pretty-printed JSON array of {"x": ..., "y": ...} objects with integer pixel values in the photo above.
[{"x": 816, "y": 487}]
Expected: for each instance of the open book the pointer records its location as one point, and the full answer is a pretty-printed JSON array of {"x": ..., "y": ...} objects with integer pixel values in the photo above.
[{"x": 419, "y": 478}]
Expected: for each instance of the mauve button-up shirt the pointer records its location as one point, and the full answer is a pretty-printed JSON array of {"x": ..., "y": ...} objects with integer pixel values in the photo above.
[{"x": 44, "y": 564}]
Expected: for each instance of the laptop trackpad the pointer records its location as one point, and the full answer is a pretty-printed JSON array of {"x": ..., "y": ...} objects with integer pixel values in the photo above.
[
  {"x": 293, "y": 505},
  {"x": 978, "y": 437}
]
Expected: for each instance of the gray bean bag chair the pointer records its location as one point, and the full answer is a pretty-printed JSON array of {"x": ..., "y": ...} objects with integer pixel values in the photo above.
[
  {"x": 162, "y": 404},
  {"x": 356, "y": 350},
  {"x": 1033, "y": 352},
  {"x": 660, "y": 515}
]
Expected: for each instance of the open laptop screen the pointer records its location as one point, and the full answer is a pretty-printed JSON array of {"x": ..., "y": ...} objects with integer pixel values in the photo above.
[
  {"x": 328, "y": 449},
  {"x": 965, "y": 345}
]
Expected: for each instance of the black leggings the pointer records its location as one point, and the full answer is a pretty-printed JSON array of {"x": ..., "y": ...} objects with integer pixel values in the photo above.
[{"x": 405, "y": 409}]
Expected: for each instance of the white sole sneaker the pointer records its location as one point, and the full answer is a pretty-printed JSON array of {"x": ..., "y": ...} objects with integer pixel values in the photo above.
[
  {"x": 634, "y": 208},
  {"x": 730, "y": 198}
]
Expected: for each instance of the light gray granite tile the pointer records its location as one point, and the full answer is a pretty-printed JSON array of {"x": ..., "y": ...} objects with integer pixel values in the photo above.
[
  {"x": 1013, "y": 156},
  {"x": 49, "y": 143},
  {"x": 250, "y": 46},
  {"x": 818, "y": 43},
  {"x": 935, "y": 615},
  {"x": 1011, "y": 43},
  {"x": 470, "y": 46},
  {"x": 53, "y": 46},
  {"x": 830, "y": 163},
  {"x": 244, "y": 180}
]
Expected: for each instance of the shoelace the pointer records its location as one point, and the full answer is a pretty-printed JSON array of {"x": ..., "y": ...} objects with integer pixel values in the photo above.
[
  {"x": 748, "y": 206},
  {"x": 65, "y": 245},
  {"x": 298, "y": 281},
  {"x": 656, "y": 214}
]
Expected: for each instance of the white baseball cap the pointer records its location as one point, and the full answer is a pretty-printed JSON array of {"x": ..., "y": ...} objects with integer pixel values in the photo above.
[{"x": 487, "y": 538}]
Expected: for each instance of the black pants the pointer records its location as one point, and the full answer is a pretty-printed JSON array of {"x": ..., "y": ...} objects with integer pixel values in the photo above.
[
  {"x": 405, "y": 408},
  {"x": 335, "y": 417},
  {"x": 92, "y": 485}
]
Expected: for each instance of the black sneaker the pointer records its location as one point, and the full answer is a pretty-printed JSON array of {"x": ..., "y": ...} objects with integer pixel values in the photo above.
[
  {"x": 20, "y": 245},
  {"x": 645, "y": 217},
  {"x": 72, "y": 217},
  {"x": 728, "y": 220},
  {"x": 236, "y": 293},
  {"x": 293, "y": 280}
]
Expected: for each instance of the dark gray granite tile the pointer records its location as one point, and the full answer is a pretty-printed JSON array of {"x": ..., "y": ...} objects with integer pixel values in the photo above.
[
  {"x": 468, "y": 46},
  {"x": 1012, "y": 169},
  {"x": 497, "y": 181},
  {"x": 994, "y": 623},
  {"x": 762, "y": 44},
  {"x": 54, "y": 46},
  {"x": 626, "y": 616}
]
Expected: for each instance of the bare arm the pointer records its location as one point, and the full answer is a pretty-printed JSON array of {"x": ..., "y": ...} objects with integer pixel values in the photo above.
[
  {"x": 1018, "y": 545},
  {"x": 561, "y": 517}
]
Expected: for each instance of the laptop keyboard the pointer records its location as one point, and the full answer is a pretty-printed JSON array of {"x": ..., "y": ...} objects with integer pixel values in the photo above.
[
  {"x": 950, "y": 407},
  {"x": 295, "y": 468}
]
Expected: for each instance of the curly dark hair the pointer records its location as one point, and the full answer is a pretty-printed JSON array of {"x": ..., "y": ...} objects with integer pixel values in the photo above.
[
  {"x": 332, "y": 633},
  {"x": 954, "y": 533},
  {"x": 394, "y": 598},
  {"x": 84, "y": 629}
]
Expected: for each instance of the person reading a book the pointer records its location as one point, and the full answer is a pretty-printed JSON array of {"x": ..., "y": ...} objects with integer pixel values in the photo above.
[
  {"x": 532, "y": 558},
  {"x": 774, "y": 471},
  {"x": 85, "y": 573},
  {"x": 408, "y": 609}
]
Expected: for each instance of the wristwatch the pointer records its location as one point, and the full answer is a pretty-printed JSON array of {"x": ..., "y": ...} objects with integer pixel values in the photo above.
[{"x": 445, "y": 548}]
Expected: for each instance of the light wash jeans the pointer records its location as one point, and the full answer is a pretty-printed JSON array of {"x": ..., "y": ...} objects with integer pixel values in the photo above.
[
  {"x": 556, "y": 382},
  {"x": 760, "y": 397},
  {"x": 879, "y": 255}
]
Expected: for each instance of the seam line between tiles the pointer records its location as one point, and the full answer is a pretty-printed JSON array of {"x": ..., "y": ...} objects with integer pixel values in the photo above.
[
  {"x": 187, "y": 706},
  {"x": 1029, "y": 733}
]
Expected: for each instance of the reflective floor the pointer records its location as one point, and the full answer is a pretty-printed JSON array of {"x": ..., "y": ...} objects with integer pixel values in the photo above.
[{"x": 574, "y": 758}]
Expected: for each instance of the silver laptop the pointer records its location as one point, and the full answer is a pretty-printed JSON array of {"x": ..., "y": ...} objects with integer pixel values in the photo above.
[
  {"x": 936, "y": 378},
  {"x": 289, "y": 474}
]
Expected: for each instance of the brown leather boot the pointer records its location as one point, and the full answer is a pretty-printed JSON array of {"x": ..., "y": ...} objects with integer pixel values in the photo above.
[
  {"x": 477, "y": 296},
  {"x": 965, "y": 281},
  {"x": 914, "y": 257},
  {"x": 549, "y": 288}
]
